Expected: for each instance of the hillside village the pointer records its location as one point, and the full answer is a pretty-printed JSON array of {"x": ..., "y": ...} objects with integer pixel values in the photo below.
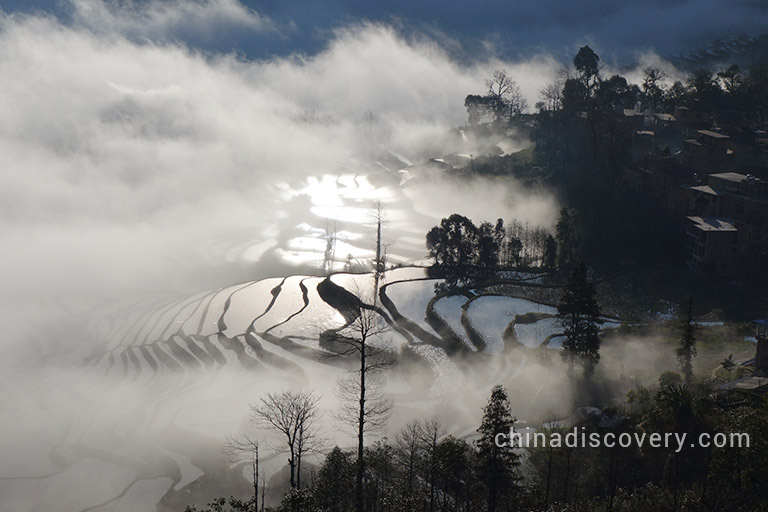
[
  {"x": 714, "y": 187},
  {"x": 683, "y": 167}
]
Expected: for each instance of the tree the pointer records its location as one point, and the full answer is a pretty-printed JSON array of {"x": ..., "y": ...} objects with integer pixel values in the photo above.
[
  {"x": 380, "y": 263},
  {"x": 364, "y": 407},
  {"x": 408, "y": 442},
  {"x": 677, "y": 409},
  {"x": 452, "y": 244},
  {"x": 579, "y": 95},
  {"x": 676, "y": 95},
  {"x": 566, "y": 237},
  {"x": 453, "y": 468},
  {"x": 504, "y": 97},
  {"x": 487, "y": 246},
  {"x": 616, "y": 94},
  {"x": 730, "y": 79},
  {"x": 728, "y": 364},
  {"x": 574, "y": 96},
  {"x": 579, "y": 315},
  {"x": 379, "y": 474},
  {"x": 329, "y": 257},
  {"x": 669, "y": 378},
  {"x": 292, "y": 416},
  {"x": 497, "y": 464},
  {"x": 653, "y": 91},
  {"x": 704, "y": 90},
  {"x": 641, "y": 396},
  {"x": 514, "y": 249},
  {"x": 588, "y": 65},
  {"x": 499, "y": 232},
  {"x": 550, "y": 252},
  {"x": 755, "y": 95},
  {"x": 430, "y": 433},
  {"x": 552, "y": 96},
  {"x": 332, "y": 492},
  {"x": 686, "y": 348},
  {"x": 243, "y": 449}
]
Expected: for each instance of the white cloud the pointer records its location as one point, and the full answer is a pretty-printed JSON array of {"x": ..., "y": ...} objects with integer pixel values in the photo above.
[
  {"x": 652, "y": 60},
  {"x": 125, "y": 164},
  {"x": 164, "y": 20}
]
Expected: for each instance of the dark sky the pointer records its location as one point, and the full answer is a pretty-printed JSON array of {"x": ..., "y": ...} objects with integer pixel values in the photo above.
[{"x": 512, "y": 29}]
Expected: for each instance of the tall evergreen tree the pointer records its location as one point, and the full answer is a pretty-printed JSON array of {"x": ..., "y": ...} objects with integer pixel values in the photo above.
[
  {"x": 579, "y": 315},
  {"x": 587, "y": 64},
  {"x": 497, "y": 464},
  {"x": 686, "y": 349},
  {"x": 453, "y": 459},
  {"x": 550, "y": 252},
  {"x": 566, "y": 237},
  {"x": 332, "y": 491}
]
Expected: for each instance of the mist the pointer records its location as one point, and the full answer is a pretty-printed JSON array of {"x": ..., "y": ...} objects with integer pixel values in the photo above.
[
  {"x": 149, "y": 162},
  {"x": 137, "y": 170},
  {"x": 131, "y": 146}
]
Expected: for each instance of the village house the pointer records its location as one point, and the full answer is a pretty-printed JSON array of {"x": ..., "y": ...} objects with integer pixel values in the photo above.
[
  {"x": 755, "y": 382},
  {"x": 708, "y": 150},
  {"x": 663, "y": 121},
  {"x": 750, "y": 150},
  {"x": 692, "y": 119},
  {"x": 713, "y": 242},
  {"x": 731, "y": 203}
]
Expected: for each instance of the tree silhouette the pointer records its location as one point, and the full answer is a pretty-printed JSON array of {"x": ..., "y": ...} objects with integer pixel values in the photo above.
[
  {"x": 653, "y": 92},
  {"x": 292, "y": 416},
  {"x": 588, "y": 65},
  {"x": 686, "y": 348},
  {"x": 566, "y": 237},
  {"x": 453, "y": 245},
  {"x": 579, "y": 315},
  {"x": 364, "y": 407},
  {"x": 332, "y": 491},
  {"x": 504, "y": 97},
  {"x": 245, "y": 450},
  {"x": 497, "y": 464}
]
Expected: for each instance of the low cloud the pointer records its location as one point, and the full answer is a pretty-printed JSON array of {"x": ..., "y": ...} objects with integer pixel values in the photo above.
[
  {"x": 133, "y": 165},
  {"x": 132, "y": 161}
]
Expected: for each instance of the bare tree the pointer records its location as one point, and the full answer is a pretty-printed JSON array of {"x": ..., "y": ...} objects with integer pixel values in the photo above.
[
  {"x": 552, "y": 94},
  {"x": 364, "y": 407},
  {"x": 244, "y": 449},
  {"x": 292, "y": 416},
  {"x": 430, "y": 433},
  {"x": 309, "y": 440},
  {"x": 329, "y": 225},
  {"x": 263, "y": 491},
  {"x": 380, "y": 263},
  {"x": 505, "y": 96},
  {"x": 409, "y": 448}
]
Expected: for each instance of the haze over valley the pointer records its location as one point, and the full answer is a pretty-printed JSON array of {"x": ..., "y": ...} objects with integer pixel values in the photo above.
[{"x": 200, "y": 200}]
